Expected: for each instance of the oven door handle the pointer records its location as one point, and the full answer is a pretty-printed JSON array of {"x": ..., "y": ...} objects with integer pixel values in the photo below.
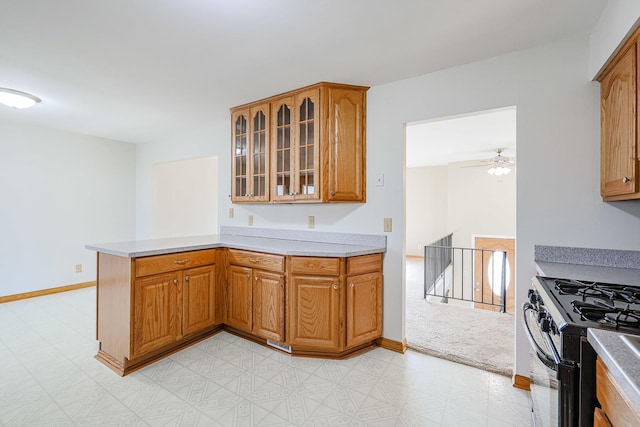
[{"x": 550, "y": 361}]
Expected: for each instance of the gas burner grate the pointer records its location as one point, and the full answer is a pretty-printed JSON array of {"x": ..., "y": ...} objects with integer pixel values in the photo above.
[
  {"x": 621, "y": 293},
  {"x": 605, "y": 313}
]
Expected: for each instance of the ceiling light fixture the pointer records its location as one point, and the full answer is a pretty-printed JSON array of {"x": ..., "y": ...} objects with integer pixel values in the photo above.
[
  {"x": 16, "y": 99},
  {"x": 500, "y": 165}
]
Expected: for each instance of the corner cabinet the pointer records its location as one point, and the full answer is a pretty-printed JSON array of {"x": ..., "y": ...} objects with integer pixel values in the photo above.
[
  {"x": 316, "y": 144},
  {"x": 150, "y": 306},
  {"x": 619, "y": 125}
]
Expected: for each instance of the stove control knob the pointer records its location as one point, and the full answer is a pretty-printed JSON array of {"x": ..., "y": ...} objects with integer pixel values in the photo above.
[
  {"x": 533, "y": 296},
  {"x": 545, "y": 325}
]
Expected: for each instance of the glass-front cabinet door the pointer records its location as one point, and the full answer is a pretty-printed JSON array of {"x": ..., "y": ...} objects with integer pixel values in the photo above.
[
  {"x": 306, "y": 146},
  {"x": 259, "y": 152},
  {"x": 250, "y": 176},
  {"x": 240, "y": 156},
  {"x": 282, "y": 150}
]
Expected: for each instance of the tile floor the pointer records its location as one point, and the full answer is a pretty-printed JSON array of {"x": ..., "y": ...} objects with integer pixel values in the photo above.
[{"x": 48, "y": 377}]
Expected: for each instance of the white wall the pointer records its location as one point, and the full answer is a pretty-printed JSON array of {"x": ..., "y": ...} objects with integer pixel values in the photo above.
[
  {"x": 427, "y": 207},
  {"x": 617, "y": 21},
  {"x": 480, "y": 203},
  {"x": 558, "y": 200},
  {"x": 58, "y": 192},
  {"x": 184, "y": 198}
]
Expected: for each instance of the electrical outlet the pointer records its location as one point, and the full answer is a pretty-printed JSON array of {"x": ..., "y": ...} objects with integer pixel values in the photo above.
[
  {"x": 78, "y": 268},
  {"x": 387, "y": 225},
  {"x": 230, "y": 212},
  {"x": 312, "y": 221},
  {"x": 250, "y": 220}
]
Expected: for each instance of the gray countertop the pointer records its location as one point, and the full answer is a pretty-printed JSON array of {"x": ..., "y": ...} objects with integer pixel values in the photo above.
[
  {"x": 140, "y": 248},
  {"x": 621, "y": 276},
  {"x": 622, "y": 359}
]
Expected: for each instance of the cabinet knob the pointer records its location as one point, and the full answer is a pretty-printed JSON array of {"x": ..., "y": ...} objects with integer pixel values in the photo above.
[
  {"x": 175, "y": 281},
  {"x": 625, "y": 179},
  {"x": 335, "y": 287},
  {"x": 351, "y": 285},
  {"x": 248, "y": 276},
  {"x": 186, "y": 278},
  {"x": 332, "y": 193},
  {"x": 256, "y": 277}
]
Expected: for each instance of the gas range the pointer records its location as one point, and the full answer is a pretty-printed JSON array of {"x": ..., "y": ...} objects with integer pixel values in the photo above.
[{"x": 557, "y": 316}]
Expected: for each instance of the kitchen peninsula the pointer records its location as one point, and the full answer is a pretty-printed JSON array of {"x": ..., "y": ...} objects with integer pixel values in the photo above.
[{"x": 308, "y": 293}]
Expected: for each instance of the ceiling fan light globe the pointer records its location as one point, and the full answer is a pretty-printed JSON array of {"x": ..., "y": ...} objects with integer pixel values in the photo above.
[{"x": 492, "y": 170}]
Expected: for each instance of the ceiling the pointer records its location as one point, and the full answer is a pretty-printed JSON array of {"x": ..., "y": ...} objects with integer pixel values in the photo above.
[
  {"x": 142, "y": 70},
  {"x": 462, "y": 138}
]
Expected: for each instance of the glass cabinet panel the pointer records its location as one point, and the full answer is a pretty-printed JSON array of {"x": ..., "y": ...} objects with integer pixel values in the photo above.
[
  {"x": 259, "y": 151},
  {"x": 306, "y": 147},
  {"x": 283, "y": 151},
  {"x": 240, "y": 154}
]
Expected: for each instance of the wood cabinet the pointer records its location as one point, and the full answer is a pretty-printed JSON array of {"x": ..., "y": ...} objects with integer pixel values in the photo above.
[
  {"x": 256, "y": 297},
  {"x": 617, "y": 409},
  {"x": 619, "y": 125},
  {"x": 151, "y": 305},
  {"x": 335, "y": 303},
  {"x": 316, "y": 140}
]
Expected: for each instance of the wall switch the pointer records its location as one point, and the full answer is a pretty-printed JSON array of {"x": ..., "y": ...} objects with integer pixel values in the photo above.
[
  {"x": 312, "y": 221},
  {"x": 230, "y": 212},
  {"x": 250, "y": 220},
  {"x": 78, "y": 268},
  {"x": 387, "y": 225},
  {"x": 380, "y": 180}
]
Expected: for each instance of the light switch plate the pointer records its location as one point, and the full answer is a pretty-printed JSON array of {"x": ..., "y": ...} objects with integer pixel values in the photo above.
[
  {"x": 380, "y": 180},
  {"x": 250, "y": 220},
  {"x": 387, "y": 225},
  {"x": 230, "y": 212},
  {"x": 312, "y": 221}
]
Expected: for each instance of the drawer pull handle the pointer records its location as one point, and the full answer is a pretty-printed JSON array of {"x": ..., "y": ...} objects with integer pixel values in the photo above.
[
  {"x": 254, "y": 260},
  {"x": 625, "y": 179},
  {"x": 180, "y": 261}
]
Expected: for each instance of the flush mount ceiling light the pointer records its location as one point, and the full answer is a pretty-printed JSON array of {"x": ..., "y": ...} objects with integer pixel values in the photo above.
[{"x": 16, "y": 99}]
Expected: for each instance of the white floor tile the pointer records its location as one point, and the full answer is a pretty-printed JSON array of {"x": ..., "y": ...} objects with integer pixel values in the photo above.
[{"x": 50, "y": 377}]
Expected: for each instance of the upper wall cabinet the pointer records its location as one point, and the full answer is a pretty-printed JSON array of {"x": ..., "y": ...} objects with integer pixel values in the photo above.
[
  {"x": 310, "y": 148},
  {"x": 619, "y": 125}
]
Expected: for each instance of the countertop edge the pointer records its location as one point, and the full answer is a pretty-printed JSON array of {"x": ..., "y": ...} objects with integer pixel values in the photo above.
[
  {"x": 364, "y": 250},
  {"x": 620, "y": 361}
]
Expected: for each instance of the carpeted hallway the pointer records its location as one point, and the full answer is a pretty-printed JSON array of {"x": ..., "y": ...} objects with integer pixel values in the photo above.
[{"x": 479, "y": 338}]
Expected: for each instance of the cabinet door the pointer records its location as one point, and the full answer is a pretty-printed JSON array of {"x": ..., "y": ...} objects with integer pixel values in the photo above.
[
  {"x": 198, "y": 299},
  {"x": 306, "y": 184},
  {"x": 240, "y": 298},
  {"x": 268, "y": 305},
  {"x": 346, "y": 154},
  {"x": 364, "y": 308},
  {"x": 240, "y": 156},
  {"x": 259, "y": 154},
  {"x": 156, "y": 321},
  {"x": 618, "y": 170},
  {"x": 315, "y": 312},
  {"x": 282, "y": 150}
]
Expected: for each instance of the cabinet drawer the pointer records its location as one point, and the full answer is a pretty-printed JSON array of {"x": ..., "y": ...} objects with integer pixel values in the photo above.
[
  {"x": 172, "y": 262},
  {"x": 315, "y": 266},
  {"x": 364, "y": 264},
  {"x": 257, "y": 260}
]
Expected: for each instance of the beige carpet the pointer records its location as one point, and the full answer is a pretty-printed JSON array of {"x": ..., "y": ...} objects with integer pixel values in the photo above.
[{"x": 478, "y": 338}]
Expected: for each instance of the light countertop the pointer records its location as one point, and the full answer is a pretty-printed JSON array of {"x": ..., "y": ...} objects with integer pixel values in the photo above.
[
  {"x": 622, "y": 360},
  {"x": 140, "y": 248},
  {"x": 621, "y": 276}
]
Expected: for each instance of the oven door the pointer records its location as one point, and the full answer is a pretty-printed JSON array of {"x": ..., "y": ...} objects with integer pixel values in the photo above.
[{"x": 553, "y": 386}]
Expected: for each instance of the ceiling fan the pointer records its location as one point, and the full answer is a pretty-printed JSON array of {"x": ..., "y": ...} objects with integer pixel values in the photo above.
[{"x": 498, "y": 165}]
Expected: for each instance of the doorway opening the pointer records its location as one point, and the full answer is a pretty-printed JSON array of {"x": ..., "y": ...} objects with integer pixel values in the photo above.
[{"x": 461, "y": 186}]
